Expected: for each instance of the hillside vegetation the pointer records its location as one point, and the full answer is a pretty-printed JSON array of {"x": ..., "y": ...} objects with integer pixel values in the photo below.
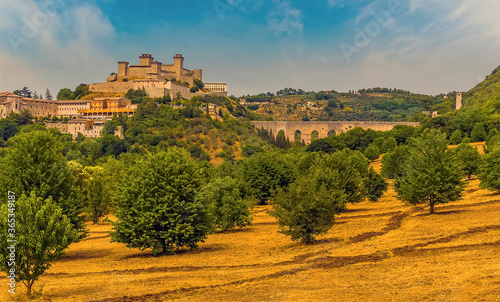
[
  {"x": 375, "y": 104},
  {"x": 485, "y": 94}
]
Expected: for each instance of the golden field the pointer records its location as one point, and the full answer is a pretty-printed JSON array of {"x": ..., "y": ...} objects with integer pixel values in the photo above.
[{"x": 382, "y": 251}]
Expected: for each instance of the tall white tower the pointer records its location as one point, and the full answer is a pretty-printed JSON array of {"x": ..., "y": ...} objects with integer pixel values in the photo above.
[{"x": 459, "y": 100}]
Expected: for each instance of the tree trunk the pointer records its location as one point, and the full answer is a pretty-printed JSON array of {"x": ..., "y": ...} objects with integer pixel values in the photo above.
[
  {"x": 28, "y": 288},
  {"x": 431, "y": 210}
]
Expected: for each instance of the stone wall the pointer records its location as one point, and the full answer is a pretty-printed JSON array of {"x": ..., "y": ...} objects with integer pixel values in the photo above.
[
  {"x": 113, "y": 87},
  {"x": 324, "y": 128}
]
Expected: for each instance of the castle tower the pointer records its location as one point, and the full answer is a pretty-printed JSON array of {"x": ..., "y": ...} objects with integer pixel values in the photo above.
[
  {"x": 197, "y": 74},
  {"x": 122, "y": 69},
  {"x": 178, "y": 65},
  {"x": 146, "y": 59},
  {"x": 459, "y": 100}
]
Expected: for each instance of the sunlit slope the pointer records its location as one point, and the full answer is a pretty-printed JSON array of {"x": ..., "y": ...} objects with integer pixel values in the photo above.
[{"x": 486, "y": 94}]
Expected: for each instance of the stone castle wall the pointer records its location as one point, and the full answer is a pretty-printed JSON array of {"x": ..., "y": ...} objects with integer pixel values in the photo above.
[{"x": 113, "y": 87}]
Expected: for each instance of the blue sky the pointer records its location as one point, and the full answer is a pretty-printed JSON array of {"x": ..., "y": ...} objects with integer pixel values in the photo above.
[{"x": 255, "y": 46}]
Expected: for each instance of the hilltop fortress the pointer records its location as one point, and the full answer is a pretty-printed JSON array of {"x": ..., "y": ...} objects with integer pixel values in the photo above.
[{"x": 157, "y": 79}]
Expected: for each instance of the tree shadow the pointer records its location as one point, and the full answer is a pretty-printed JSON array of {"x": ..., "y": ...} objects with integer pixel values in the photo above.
[
  {"x": 203, "y": 249},
  {"x": 439, "y": 213},
  {"x": 237, "y": 230}
]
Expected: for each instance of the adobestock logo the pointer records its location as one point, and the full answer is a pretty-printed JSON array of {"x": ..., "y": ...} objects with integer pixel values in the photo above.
[
  {"x": 364, "y": 36},
  {"x": 31, "y": 26}
]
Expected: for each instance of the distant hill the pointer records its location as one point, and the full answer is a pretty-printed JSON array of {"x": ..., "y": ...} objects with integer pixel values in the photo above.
[
  {"x": 374, "y": 104},
  {"x": 486, "y": 94}
]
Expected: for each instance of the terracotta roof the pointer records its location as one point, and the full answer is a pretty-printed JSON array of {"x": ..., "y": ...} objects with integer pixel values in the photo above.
[{"x": 8, "y": 93}]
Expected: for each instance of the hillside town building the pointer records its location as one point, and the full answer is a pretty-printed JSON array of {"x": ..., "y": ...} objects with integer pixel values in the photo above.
[{"x": 85, "y": 116}]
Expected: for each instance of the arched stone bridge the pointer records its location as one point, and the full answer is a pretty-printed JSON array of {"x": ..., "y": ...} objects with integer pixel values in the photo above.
[{"x": 323, "y": 128}]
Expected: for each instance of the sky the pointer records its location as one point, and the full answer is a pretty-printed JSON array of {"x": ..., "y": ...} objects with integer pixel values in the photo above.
[{"x": 425, "y": 46}]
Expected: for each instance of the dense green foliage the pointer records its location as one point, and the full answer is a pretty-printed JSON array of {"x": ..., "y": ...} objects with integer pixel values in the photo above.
[
  {"x": 309, "y": 207},
  {"x": 375, "y": 185},
  {"x": 372, "y": 152},
  {"x": 478, "y": 133},
  {"x": 34, "y": 164},
  {"x": 157, "y": 206},
  {"x": 389, "y": 145},
  {"x": 264, "y": 173},
  {"x": 393, "y": 163},
  {"x": 489, "y": 171},
  {"x": 42, "y": 232},
  {"x": 469, "y": 158},
  {"x": 97, "y": 195},
  {"x": 431, "y": 175},
  {"x": 456, "y": 137},
  {"x": 67, "y": 94},
  {"x": 227, "y": 207}
]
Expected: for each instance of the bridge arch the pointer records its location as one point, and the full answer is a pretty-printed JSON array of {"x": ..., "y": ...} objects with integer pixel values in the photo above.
[
  {"x": 324, "y": 129},
  {"x": 314, "y": 135},
  {"x": 297, "y": 136}
]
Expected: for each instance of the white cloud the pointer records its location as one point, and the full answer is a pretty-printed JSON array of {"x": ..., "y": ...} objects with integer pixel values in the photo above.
[
  {"x": 64, "y": 47},
  {"x": 285, "y": 18},
  {"x": 432, "y": 47}
]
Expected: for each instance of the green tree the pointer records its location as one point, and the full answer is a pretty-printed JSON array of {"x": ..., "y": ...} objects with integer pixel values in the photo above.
[
  {"x": 109, "y": 128},
  {"x": 456, "y": 137},
  {"x": 372, "y": 152},
  {"x": 199, "y": 83},
  {"x": 493, "y": 140},
  {"x": 389, "y": 145},
  {"x": 375, "y": 185},
  {"x": 97, "y": 197},
  {"x": 34, "y": 163},
  {"x": 352, "y": 165},
  {"x": 393, "y": 163},
  {"x": 478, "y": 133},
  {"x": 492, "y": 133},
  {"x": 489, "y": 171},
  {"x": 308, "y": 209},
  {"x": 112, "y": 145},
  {"x": 402, "y": 133},
  {"x": 227, "y": 209},
  {"x": 265, "y": 172},
  {"x": 22, "y": 118},
  {"x": 8, "y": 129},
  {"x": 469, "y": 157},
  {"x": 432, "y": 175},
  {"x": 42, "y": 232},
  {"x": 157, "y": 207},
  {"x": 80, "y": 91},
  {"x": 64, "y": 94}
]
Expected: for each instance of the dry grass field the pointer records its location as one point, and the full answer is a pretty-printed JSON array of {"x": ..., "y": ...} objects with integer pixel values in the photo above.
[{"x": 383, "y": 251}]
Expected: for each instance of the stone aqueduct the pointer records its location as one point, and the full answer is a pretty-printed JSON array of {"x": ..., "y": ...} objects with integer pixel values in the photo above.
[{"x": 323, "y": 128}]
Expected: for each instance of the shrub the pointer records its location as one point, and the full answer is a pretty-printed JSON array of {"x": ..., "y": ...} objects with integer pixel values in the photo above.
[
  {"x": 227, "y": 209},
  {"x": 375, "y": 185},
  {"x": 308, "y": 208},
  {"x": 489, "y": 171}
]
